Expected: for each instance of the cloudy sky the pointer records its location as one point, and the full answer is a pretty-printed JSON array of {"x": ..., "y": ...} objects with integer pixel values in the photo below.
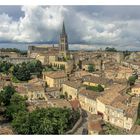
[{"x": 114, "y": 26}]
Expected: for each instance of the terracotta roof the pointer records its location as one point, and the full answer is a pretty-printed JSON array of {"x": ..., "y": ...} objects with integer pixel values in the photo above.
[
  {"x": 35, "y": 80},
  {"x": 98, "y": 80},
  {"x": 111, "y": 93},
  {"x": 119, "y": 105},
  {"x": 81, "y": 73},
  {"x": 119, "y": 69},
  {"x": 89, "y": 94},
  {"x": 126, "y": 69},
  {"x": 94, "y": 117},
  {"x": 73, "y": 84},
  {"x": 86, "y": 62},
  {"x": 135, "y": 130},
  {"x": 56, "y": 75},
  {"x": 122, "y": 98},
  {"x": 95, "y": 126},
  {"x": 124, "y": 102},
  {"x": 50, "y": 89},
  {"x": 135, "y": 63},
  {"x": 34, "y": 87},
  {"x": 134, "y": 101},
  {"x": 21, "y": 89},
  {"x": 131, "y": 111},
  {"x": 136, "y": 86},
  {"x": 32, "y": 105},
  {"x": 53, "y": 102},
  {"x": 75, "y": 104}
]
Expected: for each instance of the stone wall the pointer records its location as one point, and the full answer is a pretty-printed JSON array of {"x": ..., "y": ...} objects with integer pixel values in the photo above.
[{"x": 75, "y": 126}]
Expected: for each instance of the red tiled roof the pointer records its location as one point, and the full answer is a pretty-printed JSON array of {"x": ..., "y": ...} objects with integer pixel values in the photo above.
[
  {"x": 95, "y": 126},
  {"x": 75, "y": 104}
]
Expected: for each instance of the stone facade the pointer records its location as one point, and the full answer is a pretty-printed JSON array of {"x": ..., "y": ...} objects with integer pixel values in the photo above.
[
  {"x": 72, "y": 88},
  {"x": 9, "y": 54},
  {"x": 135, "y": 90},
  {"x": 68, "y": 65},
  {"x": 55, "y": 79},
  {"x": 63, "y": 42},
  {"x": 53, "y": 92},
  {"x": 120, "y": 72},
  {"x": 36, "y": 92},
  {"x": 87, "y": 100}
]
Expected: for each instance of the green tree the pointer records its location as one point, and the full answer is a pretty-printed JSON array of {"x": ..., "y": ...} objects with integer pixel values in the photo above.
[
  {"x": 80, "y": 64},
  {"x": 132, "y": 80},
  {"x": 126, "y": 53},
  {"x": 21, "y": 123},
  {"x": 91, "y": 68},
  {"x": 5, "y": 66},
  {"x": 17, "y": 103},
  {"x": 111, "y": 130},
  {"x": 35, "y": 66},
  {"x": 22, "y": 73},
  {"x": 21, "y": 52},
  {"x": 45, "y": 121},
  {"x": 110, "y": 49},
  {"x": 138, "y": 115},
  {"x": 62, "y": 67},
  {"x": 100, "y": 88},
  {"x": 62, "y": 96},
  {"x": 6, "y": 94}
]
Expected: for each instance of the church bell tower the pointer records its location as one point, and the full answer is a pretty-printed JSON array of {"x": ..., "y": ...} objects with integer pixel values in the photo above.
[{"x": 63, "y": 41}]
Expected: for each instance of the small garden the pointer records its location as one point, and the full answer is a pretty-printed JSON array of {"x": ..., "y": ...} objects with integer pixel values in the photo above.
[
  {"x": 111, "y": 130},
  {"x": 98, "y": 88}
]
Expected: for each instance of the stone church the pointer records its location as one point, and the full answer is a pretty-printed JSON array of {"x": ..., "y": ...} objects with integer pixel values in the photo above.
[
  {"x": 62, "y": 49},
  {"x": 63, "y": 42}
]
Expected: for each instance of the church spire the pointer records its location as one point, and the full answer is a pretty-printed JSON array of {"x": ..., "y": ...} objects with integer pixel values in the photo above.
[
  {"x": 63, "y": 29},
  {"x": 63, "y": 39}
]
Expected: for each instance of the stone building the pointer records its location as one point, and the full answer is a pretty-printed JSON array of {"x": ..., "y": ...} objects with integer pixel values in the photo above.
[
  {"x": 36, "y": 92},
  {"x": 52, "y": 92},
  {"x": 117, "y": 108},
  {"x": 40, "y": 49},
  {"x": 119, "y": 72},
  {"x": 72, "y": 88},
  {"x": 95, "y": 81},
  {"x": 63, "y": 42},
  {"x": 50, "y": 55},
  {"x": 60, "y": 103},
  {"x": 135, "y": 90},
  {"x": 95, "y": 125},
  {"x": 66, "y": 65},
  {"x": 87, "y": 99},
  {"x": 55, "y": 79},
  {"x": 9, "y": 54},
  {"x": 47, "y": 58}
]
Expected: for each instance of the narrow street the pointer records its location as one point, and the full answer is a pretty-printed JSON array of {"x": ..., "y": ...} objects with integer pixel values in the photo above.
[
  {"x": 83, "y": 125},
  {"x": 5, "y": 127}
]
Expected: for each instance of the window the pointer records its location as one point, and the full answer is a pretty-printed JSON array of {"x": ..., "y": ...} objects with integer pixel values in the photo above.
[
  {"x": 91, "y": 110},
  {"x": 70, "y": 97},
  {"x": 38, "y": 95}
]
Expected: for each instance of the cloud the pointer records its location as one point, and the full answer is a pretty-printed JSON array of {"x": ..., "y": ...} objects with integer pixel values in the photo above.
[
  {"x": 95, "y": 25},
  {"x": 40, "y": 24}
]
